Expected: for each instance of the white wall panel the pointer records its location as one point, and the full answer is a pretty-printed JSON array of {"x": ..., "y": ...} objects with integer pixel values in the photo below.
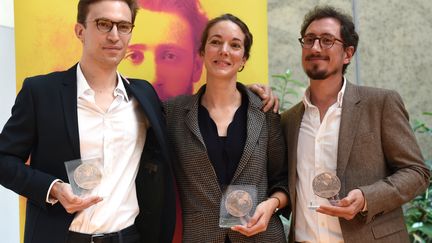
[{"x": 9, "y": 213}]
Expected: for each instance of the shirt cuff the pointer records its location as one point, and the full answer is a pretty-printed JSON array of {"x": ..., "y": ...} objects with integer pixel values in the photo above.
[
  {"x": 48, "y": 198},
  {"x": 364, "y": 207},
  {"x": 364, "y": 210}
]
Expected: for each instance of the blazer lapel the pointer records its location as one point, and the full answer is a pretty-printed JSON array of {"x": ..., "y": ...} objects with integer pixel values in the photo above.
[
  {"x": 69, "y": 100},
  {"x": 191, "y": 119},
  {"x": 293, "y": 130},
  {"x": 255, "y": 121},
  {"x": 348, "y": 126}
]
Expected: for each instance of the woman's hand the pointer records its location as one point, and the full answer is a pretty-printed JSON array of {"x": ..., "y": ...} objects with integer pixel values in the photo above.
[{"x": 259, "y": 222}]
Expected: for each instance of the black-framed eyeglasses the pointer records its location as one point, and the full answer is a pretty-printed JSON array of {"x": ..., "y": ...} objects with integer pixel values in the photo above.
[
  {"x": 326, "y": 41},
  {"x": 106, "y": 25}
]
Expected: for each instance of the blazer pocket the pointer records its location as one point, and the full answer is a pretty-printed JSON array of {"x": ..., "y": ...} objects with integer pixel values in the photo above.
[{"x": 388, "y": 226}]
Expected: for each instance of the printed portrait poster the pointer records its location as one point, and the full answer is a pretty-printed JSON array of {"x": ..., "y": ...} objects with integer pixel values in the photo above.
[{"x": 163, "y": 47}]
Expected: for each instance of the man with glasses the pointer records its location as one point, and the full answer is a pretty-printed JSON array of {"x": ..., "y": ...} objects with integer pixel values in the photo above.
[
  {"x": 91, "y": 111},
  {"x": 359, "y": 138}
]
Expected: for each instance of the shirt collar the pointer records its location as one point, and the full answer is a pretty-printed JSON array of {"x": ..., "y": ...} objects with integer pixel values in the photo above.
[
  {"x": 83, "y": 86},
  {"x": 306, "y": 98}
]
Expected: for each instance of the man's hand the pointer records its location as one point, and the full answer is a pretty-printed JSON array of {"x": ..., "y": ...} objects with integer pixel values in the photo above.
[
  {"x": 259, "y": 222},
  {"x": 71, "y": 202},
  {"x": 347, "y": 207},
  {"x": 270, "y": 101}
]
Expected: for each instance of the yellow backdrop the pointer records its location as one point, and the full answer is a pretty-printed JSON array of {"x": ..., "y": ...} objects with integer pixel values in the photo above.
[{"x": 45, "y": 40}]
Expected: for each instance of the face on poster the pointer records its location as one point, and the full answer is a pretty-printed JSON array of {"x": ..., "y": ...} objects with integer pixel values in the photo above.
[{"x": 163, "y": 47}]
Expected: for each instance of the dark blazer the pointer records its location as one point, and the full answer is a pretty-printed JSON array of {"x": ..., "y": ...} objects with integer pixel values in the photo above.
[
  {"x": 377, "y": 153},
  {"x": 262, "y": 164},
  {"x": 44, "y": 125}
]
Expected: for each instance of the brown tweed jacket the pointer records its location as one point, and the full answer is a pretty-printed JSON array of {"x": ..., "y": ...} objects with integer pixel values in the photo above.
[
  {"x": 377, "y": 153},
  {"x": 262, "y": 164}
]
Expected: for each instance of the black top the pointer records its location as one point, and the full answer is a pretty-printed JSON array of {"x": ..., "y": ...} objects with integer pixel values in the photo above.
[{"x": 225, "y": 152}]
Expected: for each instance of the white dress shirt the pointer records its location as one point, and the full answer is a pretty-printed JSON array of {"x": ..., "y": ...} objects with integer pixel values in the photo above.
[
  {"x": 316, "y": 153},
  {"x": 117, "y": 136}
]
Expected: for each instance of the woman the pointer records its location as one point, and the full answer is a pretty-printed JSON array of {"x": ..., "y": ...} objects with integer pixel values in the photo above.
[{"x": 222, "y": 138}]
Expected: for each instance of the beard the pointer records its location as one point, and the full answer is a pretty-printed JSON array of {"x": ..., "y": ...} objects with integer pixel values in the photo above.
[
  {"x": 314, "y": 70},
  {"x": 315, "y": 73}
]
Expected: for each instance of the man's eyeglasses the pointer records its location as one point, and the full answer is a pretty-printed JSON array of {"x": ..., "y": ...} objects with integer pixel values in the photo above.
[
  {"x": 106, "y": 25},
  {"x": 326, "y": 41}
]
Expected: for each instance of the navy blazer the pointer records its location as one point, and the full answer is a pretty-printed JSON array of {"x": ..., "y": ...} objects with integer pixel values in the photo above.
[{"x": 44, "y": 126}]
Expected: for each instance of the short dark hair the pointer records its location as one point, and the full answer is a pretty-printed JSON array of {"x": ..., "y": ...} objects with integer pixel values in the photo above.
[
  {"x": 347, "y": 29},
  {"x": 83, "y": 9},
  {"x": 228, "y": 17},
  {"x": 190, "y": 10}
]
